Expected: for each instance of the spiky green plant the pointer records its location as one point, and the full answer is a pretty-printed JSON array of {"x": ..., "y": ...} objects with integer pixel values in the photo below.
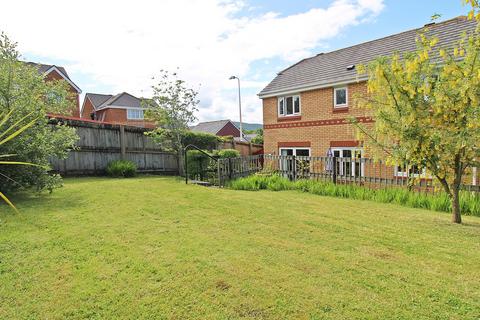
[{"x": 7, "y": 133}]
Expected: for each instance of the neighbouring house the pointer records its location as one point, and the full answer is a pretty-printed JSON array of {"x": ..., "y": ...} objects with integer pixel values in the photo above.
[
  {"x": 226, "y": 128},
  {"x": 122, "y": 108},
  {"x": 221, "y": 128},
  {"x": 306, "y": 106},
  {"x": 53, "y": 72}
]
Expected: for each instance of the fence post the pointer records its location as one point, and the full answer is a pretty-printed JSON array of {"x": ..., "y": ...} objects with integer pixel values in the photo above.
[
  {"x": 123, "y": 143},
  {"x": 230, "y": 169},
  {"x": 220, "y": 184},
  {"x": 294, "y": 168},
  {"x": 334, "y": 170},
  {"x": 474, "y": 176},
  {"x": 186, "y": 165}
]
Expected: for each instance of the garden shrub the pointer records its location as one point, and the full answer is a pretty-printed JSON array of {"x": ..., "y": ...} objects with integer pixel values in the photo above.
[
  {"x": 197, "y": 164},
  {"x": 469, "y": 202},
  {"x": 201, "y": 140},
  {"x": 121, "y": 168},
  {"x": 227, "y": 153},
  {"x": 25, "y": 95}
]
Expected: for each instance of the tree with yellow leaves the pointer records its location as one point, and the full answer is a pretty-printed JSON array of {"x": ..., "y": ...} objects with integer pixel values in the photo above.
[{"x": 426, "y": 106}]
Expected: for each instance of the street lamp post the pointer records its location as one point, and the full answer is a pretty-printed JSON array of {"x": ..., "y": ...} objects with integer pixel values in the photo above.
[{"x": 239, "y": 105}]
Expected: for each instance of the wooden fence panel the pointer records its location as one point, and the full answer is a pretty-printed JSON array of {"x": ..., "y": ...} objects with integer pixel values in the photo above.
[
  {"x": 244, "y": 148},
  {"x": 102, "y": 143}
]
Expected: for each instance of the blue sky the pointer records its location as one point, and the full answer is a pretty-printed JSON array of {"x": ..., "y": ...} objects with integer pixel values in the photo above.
[
  {"x": 209, "y": 40},
  {"x": 397, "y": 16}
]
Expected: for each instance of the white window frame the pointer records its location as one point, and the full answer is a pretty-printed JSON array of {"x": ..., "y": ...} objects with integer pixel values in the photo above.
[
  {"x": 352, "y": 164},
  {"x": 135, "y": 118},
  {"x": 404, "y": 173},
  {"x": 344, "y": 105},
  {"x": 285, "y": 163},
  {"x": 284, "y": 99},
  {"x": 295, "y": 150}
]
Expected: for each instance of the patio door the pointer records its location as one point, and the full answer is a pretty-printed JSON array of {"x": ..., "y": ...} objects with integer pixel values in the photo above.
[
  {"x": 349, "y": 162},
  {"x": 292, "y": 167}
]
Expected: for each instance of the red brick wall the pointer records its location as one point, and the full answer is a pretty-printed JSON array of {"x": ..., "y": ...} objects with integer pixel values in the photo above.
[
  {"x": 76, "y": 97},
  {"x": 119, "y": 116},
  {"x": 319, "y": 124},
  {"x": 229, "y": 130},
  {"x": 245, "y": 148},
  {"x": 87, "y": 109},
  {"x": 320, "y": 127}
]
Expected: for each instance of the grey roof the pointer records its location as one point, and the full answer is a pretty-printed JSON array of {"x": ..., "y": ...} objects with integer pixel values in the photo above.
[
  {"x": 329, "y": 68},
  {"x": 42, "y": 68},
  {"x": 97, "y": 99},
  {"x": 211, "y": 126},
  {"x": 121, "y": 100}
]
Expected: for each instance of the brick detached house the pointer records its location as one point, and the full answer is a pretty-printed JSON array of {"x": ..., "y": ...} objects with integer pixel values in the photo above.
[
  {"x": 221, "y": 128},
  {"x": 306, "y": 106},
  {"x": 122, "y": 108},
  {"x": 51, "y": 73}
]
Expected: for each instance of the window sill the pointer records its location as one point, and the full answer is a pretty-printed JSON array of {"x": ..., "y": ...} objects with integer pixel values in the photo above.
[
  {"x": 340, "y": 109},
  {"x": 289, "y": 118}
]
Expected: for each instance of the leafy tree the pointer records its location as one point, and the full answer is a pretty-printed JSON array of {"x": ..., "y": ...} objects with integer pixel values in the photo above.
[
  {"x": 259, "y": 137},
  {"x": 25, "y": 95},
  {"x": 227, "y": 153},
  {"x": 426, "y": 110},
  {"x": 172, "y": 107},
  {"x": 201, "y": 140}
]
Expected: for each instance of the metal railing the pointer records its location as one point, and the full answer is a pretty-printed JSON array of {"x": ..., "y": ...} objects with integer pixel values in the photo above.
[
  {"x": 206, "y": 171},
  {"x": 359, "y": 171}
]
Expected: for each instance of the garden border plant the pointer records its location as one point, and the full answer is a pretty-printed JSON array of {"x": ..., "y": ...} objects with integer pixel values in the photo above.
[
  {"x": 121, "y": 168},
  {"x": 469, "y": 202}
]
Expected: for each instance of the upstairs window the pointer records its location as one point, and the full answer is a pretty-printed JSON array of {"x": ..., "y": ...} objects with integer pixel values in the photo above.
[
  {"x": 289, "y": 105},
  {"x": 134, "y": 114},
  {"x": 340, "y": 97}
]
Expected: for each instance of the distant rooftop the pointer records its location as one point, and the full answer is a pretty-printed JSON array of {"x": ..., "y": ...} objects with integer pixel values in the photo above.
[
  {"x": 124, "y": 99},
  {"x": 210, "y": 126},
  {"x": 44, "y": 68}
]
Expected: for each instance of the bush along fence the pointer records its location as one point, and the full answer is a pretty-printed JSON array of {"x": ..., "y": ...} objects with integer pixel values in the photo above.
[
  {"x": 101, "y": 143},
  {"x": 356, "y": 171},
  {"x": 201, "y": 166}
]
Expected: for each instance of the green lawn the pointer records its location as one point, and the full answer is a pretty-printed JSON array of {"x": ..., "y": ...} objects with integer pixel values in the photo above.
[{"x": 154, "y": 248}]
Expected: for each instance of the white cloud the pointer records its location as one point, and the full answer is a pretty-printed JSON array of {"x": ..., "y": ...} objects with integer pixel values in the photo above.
[{"x": 121, "y": 44}]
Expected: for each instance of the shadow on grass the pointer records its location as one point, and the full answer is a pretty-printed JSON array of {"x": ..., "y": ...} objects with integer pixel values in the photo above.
[{"x": 27, "y": 201}]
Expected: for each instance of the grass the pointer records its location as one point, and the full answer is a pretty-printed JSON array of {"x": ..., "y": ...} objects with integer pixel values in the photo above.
[
  {"x": 469, "y": 202},
  {"x": 153, "y": 248}
]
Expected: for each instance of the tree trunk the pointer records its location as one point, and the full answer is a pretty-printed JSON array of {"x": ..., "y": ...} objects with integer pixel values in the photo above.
[{"x": 456, "y": 216}]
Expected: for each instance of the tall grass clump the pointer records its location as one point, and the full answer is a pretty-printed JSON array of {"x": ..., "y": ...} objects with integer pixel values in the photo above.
[
  {"x": 262, "y": 182},
  {"x": 469, "y": 202},
  {"x": 121, "y": 168}
]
